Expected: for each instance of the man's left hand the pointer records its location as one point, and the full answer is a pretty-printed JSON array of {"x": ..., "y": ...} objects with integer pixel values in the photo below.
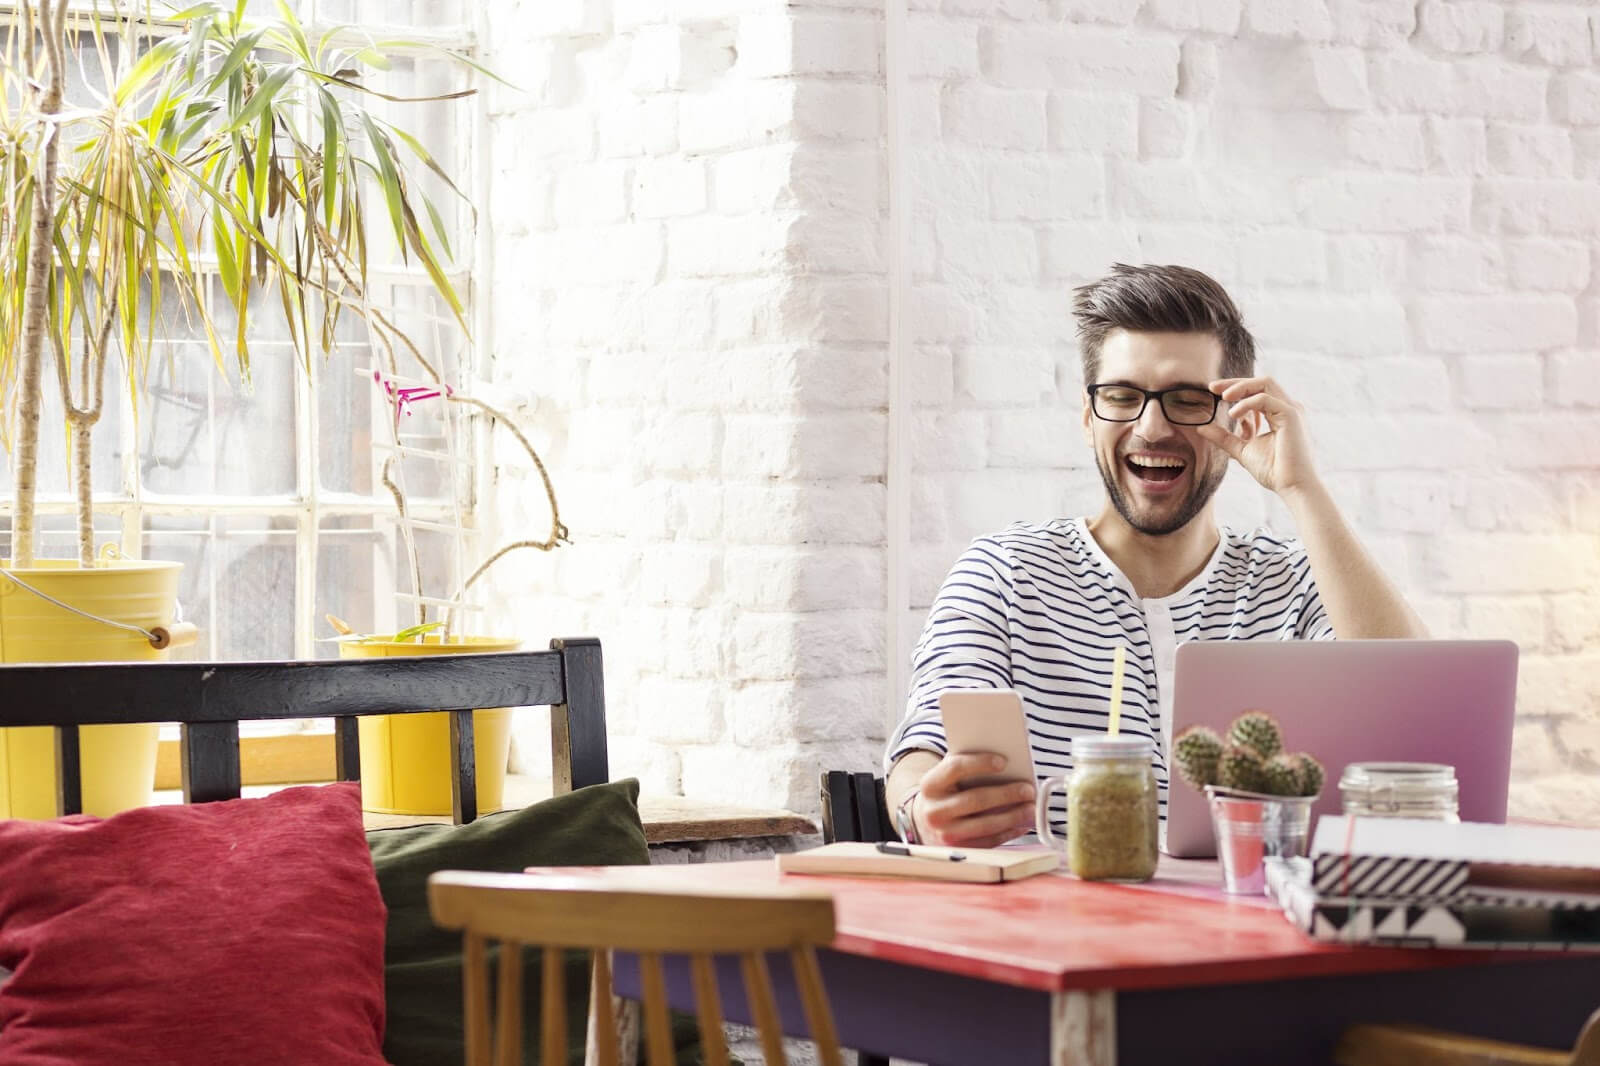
[{"x": 1268, "y": 438}]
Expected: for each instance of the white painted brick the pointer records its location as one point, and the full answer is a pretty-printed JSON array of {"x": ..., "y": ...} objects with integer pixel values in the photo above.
[
  {"x": 1584, "y": 506},
  {"x": 629, "y": 15},
  {"x": 1033, "y": 439},
  {"x": 735, "y": 115},
  {"x": 771, "y": 714},
  {"x": 1326, "y": 383},
  {"x": 1092, "y": 122},
  {"x": 1360, "y": 263},
  {"x": 1555, "y": 687},
  {"x": 559, "y": 18},
  {"x": 1165, "y": 129},
  {"x": 950, "y": 440},
  {"x": 838, "y": 110},
  {"x": 1518, "y": 618},
  {"x": 825, "y": 445},
  {"x": 1575, "y": 379},
  {"x": 1115, "y": 12},
  {"x": 1340, "y": 75},
  {"x": 1075, "y": 57},
  {"x": 783, "y": 377},
  {"x": 1027, "y": 10},
  {"x": 1373, "y": 23},
  {"x": 1412, "y": 502},
  {"x": 1530, "y": 151},
  {"x": 1385, "y": 204},
  {"x": 929, "y": 523},
  {"x": 780, "y": 646},
  {"x": 1494, "y": 501},
  {"x": 941, "y": 48},
  {"x": 943, "y": 176},
  {"x": 924, "y": 253},
  {"x": 1043, "y": 189},
  {"x": 655, "y": 58},
  {"x": 599, "y": 439},
  {"x": 1461, "y": 26},
  {"x": 831, "y": 242},
  {"x": 1494, "y": 90},
  {"x": 666, "y": 187},
  {"x": 1561, "y": 266},
  {"x": 933, "y": 375},
  {"x": 982, "y": 502},
  {"x": 566, "y": 134},
  {"x": 1087, "y": 250},
  {"x": 1579, "y": 733},
  {"x": 728, "y": 246},
  {"x": 1549, "y": 440},
  {"x": 639, "y": 127},
  {"x": 784, "y": 43},
  {"x": 1004, "y": 377},
  {"x": 1574, "y": 621},
  {"x": 1305, "y": 20},
  {"x": 1198, "y": 70},
  {"x": 1555, "y": 37},
  {"x": 1457, "y": 145},
  {"x": 1534, "y": 752},
  {"x": 1456, "y": 264},
  {"x": 1575, "y": 98},
  {"x": 994, "y": 118},
  {"x": 814, "y": 512},
  {"x": 1212, "y": 249},
  {"x": 1496, "y": 323},
  {"x": 1586, "y": 152},
  {"x": 1501, "y": 382},
  {"x": 1387, "y": 142},
  {"x": 837, "y": 311},
  {"x": 1282, "y": 257},
  {"x": 986, "y": 252},
  {"x": 676, "y": 315},
  {"x": 941, "y": 313},
  {"x": 683, "y": 444},
  {"x": 681, "y": 712},
  {"x": 1569, "y": 797},
  {"x": 1207, "y": 16},
  {"x": 754, "y": 179},
  {"x": 1408, "y": 382},
  {"x": 633, "y": 252},
  {"x": 1025, "y": 314},
  {"x": 1511, "y": 563},
  {"x": 790, "y": 579},
  {"x": 751, "y": 311},
  {"x": 1410, "y": 82},
  {"x": 1305, "y": 323}
]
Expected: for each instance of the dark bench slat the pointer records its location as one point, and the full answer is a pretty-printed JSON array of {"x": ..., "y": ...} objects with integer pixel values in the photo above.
[
  {"x": 69, "y": 771},
  {"x": 578, "y": 722},
  {"x": 346, "y": 749},
  {"x": 208, "y": 753},
  {"x": 463, "y": 768}
]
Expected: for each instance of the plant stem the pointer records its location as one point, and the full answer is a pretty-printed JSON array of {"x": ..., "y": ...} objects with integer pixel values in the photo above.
[{"x": 35, "y": 309}]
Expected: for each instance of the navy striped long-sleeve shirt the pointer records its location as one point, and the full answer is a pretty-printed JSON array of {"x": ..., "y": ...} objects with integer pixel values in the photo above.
[{"x": 1040, "y": 608}]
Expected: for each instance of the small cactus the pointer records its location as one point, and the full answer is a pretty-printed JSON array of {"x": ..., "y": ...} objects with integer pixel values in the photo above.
[
  {"x": 1311, "y": 774},
  {"x": 1259, "y": 731},
  {"x": 1281, "y": 776},
  {"x": 1241, "y": 768},
  {"x": 1196, "y": 751}
]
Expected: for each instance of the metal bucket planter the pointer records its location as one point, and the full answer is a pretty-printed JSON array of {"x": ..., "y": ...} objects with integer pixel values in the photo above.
[{"x": 1251, "y": 826}]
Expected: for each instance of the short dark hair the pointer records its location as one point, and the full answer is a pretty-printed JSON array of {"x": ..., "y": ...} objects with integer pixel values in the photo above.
[{"x": 1160, "y": 299}]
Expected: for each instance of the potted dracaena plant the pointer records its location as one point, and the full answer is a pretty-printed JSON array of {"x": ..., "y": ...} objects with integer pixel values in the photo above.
[{"x": 209, "y": 149}]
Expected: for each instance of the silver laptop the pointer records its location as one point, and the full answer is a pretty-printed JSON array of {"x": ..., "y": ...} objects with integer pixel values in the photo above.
[{"x": 1344, "y": 701}]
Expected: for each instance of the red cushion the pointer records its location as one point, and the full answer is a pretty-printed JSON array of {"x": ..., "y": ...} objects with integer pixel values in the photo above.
[{"x": 248, "y": 932}]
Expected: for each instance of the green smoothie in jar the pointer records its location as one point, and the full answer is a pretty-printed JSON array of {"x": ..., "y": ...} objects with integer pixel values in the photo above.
[{"x": 1112, "y": 809}]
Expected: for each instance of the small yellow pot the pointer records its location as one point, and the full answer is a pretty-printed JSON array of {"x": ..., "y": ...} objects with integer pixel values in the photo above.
[
  {"x": 118, "y": 761},
  {"x": 405, "y": 758}
]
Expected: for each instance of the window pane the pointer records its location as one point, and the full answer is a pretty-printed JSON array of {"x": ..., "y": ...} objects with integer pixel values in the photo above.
[
  {"x": 355, "y": 578},
  {"x": 188, "y": 540},
  {"x": 58, "y": 535},
  {"x": 420, "y": 13}
]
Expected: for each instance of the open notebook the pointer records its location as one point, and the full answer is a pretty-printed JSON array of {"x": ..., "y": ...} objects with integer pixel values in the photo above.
[{"x": 921, "y": 861}]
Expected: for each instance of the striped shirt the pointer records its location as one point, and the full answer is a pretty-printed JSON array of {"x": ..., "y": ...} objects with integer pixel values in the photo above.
[{"x": 1041, "y": 608}]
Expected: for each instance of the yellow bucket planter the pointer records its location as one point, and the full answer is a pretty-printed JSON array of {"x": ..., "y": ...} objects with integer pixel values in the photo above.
[
  {"x": 118, "y": 761},
  {"x": 405, "y": 758}
]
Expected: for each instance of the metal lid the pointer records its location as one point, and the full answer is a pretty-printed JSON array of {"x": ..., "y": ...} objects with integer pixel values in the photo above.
[{"x": 1117, "y": 747}]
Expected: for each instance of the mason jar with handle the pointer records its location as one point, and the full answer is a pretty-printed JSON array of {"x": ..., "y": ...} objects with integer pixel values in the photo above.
[{"x": 1112, "y": 809}]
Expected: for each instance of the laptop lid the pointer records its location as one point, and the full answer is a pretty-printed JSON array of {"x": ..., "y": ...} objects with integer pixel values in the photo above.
[{"x": 1345, "y": 701}]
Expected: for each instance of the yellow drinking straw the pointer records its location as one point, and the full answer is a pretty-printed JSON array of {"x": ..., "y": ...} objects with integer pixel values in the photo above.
[{"x": 1116, "y": 693}]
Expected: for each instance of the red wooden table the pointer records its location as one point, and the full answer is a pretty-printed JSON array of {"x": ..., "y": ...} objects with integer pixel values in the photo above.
[{"x": 1056, "y": 970}]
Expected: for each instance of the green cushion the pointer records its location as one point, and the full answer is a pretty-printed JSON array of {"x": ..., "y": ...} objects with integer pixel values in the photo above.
[{"x": 595, "y": 826}]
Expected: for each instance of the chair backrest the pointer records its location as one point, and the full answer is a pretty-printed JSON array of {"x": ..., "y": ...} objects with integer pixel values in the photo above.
[
  {"x": 854, "y": 808},
  {"x": 210, "y": 699},
  {"x": 561, "y": 913}
]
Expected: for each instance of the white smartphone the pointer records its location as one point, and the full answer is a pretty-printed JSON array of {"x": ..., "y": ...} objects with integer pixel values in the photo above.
[{"x": 978, "y": 720}]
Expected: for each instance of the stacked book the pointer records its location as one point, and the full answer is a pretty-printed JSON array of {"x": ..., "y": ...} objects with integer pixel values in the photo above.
[{"x": 1433, "y": 884}]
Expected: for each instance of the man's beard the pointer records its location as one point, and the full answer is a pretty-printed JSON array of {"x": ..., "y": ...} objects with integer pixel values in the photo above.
[{"x": 1200, "y": 492}]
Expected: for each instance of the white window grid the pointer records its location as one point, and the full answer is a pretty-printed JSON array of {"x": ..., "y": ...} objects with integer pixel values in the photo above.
[{"x": 128, "y": 511}]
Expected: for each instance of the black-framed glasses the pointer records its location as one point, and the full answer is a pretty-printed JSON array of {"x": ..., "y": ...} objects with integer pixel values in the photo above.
[{"x": 1183, "y": 406}]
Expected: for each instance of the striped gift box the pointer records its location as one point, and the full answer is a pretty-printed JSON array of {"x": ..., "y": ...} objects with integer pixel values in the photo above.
[{"x": 1387, "y": 876}]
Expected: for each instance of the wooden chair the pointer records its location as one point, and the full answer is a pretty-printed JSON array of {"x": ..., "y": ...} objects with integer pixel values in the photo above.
[
  {"x": 559, "y": 913},
  {"x": 210, "y": 699},
  {"x": 1408, "y": 1045}
]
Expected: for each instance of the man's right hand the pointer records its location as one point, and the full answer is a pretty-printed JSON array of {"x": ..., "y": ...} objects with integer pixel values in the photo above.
[{"x": 951, "y": 810}]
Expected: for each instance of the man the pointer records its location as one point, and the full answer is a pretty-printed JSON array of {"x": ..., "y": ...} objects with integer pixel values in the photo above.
[{"x": 1171, "y": 398}]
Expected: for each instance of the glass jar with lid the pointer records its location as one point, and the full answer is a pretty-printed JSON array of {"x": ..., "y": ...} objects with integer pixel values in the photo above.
[
  {"x": 1400, "y": 790},
  {"x": 1112, "y": 809}
]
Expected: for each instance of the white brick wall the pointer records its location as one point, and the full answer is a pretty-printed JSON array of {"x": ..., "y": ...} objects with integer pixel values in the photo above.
[{"x": 690, "y": 275}]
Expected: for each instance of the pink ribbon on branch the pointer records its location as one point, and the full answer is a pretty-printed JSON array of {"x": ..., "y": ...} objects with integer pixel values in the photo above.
[{"x": 404, "y": 396}]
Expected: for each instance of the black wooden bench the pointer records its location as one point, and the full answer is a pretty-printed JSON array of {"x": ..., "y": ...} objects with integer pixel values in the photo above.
[{"x": 209, "y": 699}]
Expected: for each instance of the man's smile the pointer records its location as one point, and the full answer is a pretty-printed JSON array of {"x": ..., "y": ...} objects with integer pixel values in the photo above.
[{"x": 1155, "y": 472}]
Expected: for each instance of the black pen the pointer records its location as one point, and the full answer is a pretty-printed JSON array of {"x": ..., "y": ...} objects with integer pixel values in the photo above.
[{"x": 889, "y": 847}]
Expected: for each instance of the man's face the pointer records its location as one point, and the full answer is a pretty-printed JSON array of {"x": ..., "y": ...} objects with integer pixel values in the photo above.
[{"x": 1180, "y": 471}]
